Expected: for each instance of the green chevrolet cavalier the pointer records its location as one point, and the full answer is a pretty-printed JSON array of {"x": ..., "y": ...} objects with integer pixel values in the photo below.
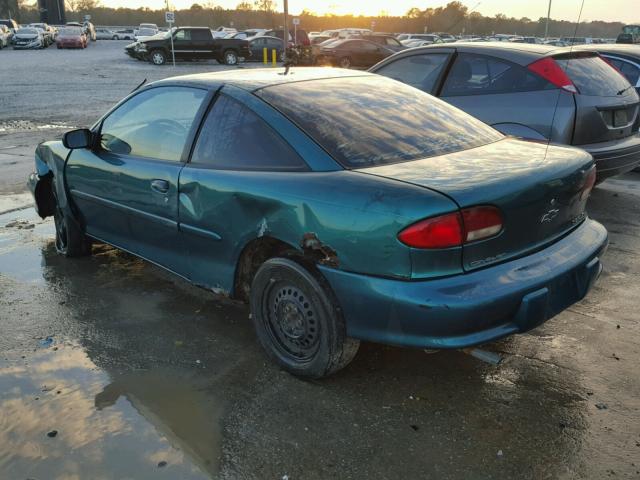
[{"x": 342, "y": 206}]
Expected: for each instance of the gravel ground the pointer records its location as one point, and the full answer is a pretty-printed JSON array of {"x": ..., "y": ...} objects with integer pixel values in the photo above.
[{"x": 111, "y": 368}]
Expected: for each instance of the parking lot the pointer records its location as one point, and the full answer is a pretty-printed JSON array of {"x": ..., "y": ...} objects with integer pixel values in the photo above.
[{"x": 112, "y": 368}]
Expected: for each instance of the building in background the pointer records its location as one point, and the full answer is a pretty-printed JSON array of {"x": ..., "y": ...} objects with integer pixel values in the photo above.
[{"x": 52, "y": 12}]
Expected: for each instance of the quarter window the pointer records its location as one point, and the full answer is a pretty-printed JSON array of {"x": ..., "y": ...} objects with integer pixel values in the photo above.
[
  {"x": 419, "y": 71},
  {"x": 234, "y": 138},
  {"x": 481, "y": 75},
  {"x": 630, "y": 71},
  {"x": 153, "y": 124}
]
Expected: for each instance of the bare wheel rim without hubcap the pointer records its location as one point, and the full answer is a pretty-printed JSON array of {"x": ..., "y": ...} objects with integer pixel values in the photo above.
[{"x": 291, "y": 320}]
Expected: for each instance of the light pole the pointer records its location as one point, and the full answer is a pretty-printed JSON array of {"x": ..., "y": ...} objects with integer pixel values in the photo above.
[
  {"x": 286, "y": 25},
  {"x": 546, "y": 27}
]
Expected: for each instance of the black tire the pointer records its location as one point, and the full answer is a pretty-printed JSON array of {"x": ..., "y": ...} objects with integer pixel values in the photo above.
[
  {"x": 230, "y": 57},
  {"x": 344, "y": 62},
  {"x": 158, "y": 57},
  {"x": 70, "y": 240},
  {"x": 115, "y": 37},
  {"x": 298, "y": 321}
]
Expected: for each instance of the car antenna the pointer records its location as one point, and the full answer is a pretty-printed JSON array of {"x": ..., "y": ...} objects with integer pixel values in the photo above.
[{"x": 141, "y": 83}]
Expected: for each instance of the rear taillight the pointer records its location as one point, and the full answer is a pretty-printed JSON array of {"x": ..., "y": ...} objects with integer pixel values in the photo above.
[
  {"x": 436, "y": 232},
  {"x": 549, "y": 69},
  {"x": 453, "y": 229},
  {"x": 589, "y": 183},
  {"x": 481, "y": 222}
]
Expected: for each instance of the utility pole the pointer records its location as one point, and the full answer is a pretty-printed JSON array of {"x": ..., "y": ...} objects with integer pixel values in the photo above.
[
  {"x": 286, "y": 24},
  {"x": 546, "y": 28}
]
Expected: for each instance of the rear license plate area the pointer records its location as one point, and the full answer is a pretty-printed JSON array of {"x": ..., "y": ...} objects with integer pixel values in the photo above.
[{"x": 620, "y": 118}]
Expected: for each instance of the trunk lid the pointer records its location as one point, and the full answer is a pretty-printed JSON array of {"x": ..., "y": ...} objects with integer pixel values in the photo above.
[
  {"x": 538, "y": 190},
  {"x": 606, "y": 104}
]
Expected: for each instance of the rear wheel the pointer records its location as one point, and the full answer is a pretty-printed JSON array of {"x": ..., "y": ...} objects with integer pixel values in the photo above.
[
  {"x": 230, "y": 57},
  {"x": 70, "y": 240},
  {"x": 158, "y": 57},
  {"x": 298, "y": 321}
]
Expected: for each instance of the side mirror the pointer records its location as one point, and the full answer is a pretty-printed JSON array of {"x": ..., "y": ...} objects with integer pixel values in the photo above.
[{"x": 81, "y": 138}]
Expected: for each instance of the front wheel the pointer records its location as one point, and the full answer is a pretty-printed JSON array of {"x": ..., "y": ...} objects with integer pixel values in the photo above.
[
  {"x": 70, "y": 240},
  {"x": 230, "y": 57},
  {"x": 158, "y": 57},
  {"x": 345, "y": 62},
  {"x": 298, "y": 321}
]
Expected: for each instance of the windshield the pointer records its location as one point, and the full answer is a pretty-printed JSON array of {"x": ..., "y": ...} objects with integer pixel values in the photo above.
[
  {"x": 27, "y": 31},
  {"x": 146, "y": 32},
  {"x": 380, "y": 120}
]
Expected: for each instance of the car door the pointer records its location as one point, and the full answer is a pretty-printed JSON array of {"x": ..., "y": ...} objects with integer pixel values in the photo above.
[
  {"x": 126, "y": 187},
  {"x": 257, "y": 47},
  {"x": 423, "y": 70},
  {"x": 235, "y": 159},
  {"x": 509, "y": 97},
  {"x": 201, "y": 41},
  {"x": 182, "y": 45}
]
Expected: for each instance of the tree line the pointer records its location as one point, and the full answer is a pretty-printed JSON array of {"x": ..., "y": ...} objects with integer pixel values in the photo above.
[{"x": 453, "y": 18}]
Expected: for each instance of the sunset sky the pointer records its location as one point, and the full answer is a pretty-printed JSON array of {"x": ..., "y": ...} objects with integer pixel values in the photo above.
[{"x": 627, "y": 11}]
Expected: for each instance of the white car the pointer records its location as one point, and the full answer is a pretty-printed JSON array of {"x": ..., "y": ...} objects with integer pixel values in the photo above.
[
  {"x": 223, "y": 32},
  {"x": 29, "y": 38},
  {"x": 408, "y": 39},
  {"x": 106, "y": 34},
  {"x": 5, "y": 36},
  {"x": 144, "y": 34}
]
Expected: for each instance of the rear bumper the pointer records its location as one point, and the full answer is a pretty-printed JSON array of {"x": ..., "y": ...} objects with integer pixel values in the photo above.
[
  {"x": 474, "y": 308},
  {"x": 614, "y": 158}
]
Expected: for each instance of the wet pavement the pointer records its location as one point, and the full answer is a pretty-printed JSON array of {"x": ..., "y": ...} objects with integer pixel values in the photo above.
[{"x": 144, "y": 376}]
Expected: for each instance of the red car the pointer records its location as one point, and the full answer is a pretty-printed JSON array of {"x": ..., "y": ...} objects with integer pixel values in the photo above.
[{"x": 71, "y": 37}]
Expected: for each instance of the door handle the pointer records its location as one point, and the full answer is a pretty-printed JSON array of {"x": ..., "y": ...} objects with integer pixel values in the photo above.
[{"x": 160, "y": 186}]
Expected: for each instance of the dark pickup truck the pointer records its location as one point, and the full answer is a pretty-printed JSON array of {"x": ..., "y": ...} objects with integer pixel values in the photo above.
[{"x": 189, "y": 43}]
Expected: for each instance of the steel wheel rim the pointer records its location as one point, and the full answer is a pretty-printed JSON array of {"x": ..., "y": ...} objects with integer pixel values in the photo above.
[{"x": 292, "y": 322}]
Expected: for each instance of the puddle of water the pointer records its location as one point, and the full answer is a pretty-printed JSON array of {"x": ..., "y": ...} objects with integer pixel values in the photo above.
[
  {"x": 121, "y": 427},
  {"x": 18, "y": 257}
]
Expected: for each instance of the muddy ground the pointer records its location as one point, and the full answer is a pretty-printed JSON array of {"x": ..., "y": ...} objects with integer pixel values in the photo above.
[{"x": 111, "y": 368}]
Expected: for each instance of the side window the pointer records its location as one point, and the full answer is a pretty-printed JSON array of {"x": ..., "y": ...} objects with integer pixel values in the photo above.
[
  {"x": 200, "y": 35},
  {"x": 481, "y": 75},
  {"x": 368, "y": 46},
  {"x": 183, "y": 35},
  {"x": 419, "y": 71},
  {"x": 235, "y": 138},
  {"x": 393, "y": 42},
  {"x": 630, "y": 71},
  {"x": 153, "y": 124}
]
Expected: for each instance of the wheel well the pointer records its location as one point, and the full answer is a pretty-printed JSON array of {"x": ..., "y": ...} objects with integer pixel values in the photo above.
[
  {"x": 45, "y": 200},
  {"x": 254, "y": 254}
]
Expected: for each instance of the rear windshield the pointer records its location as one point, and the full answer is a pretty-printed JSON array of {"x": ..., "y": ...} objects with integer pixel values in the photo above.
[
  {"x": 593, "y": 76},
  {"x": 370, "y": 121}
]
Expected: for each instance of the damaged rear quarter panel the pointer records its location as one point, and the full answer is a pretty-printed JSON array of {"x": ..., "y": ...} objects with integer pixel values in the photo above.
[{"x": 341, "y": 219}]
